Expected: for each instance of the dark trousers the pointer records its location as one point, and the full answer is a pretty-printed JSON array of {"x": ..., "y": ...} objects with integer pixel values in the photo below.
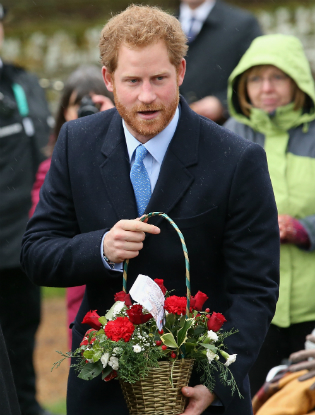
[
  {"x": 19, "y": 318},
  {"x": 278, "y": 345}
]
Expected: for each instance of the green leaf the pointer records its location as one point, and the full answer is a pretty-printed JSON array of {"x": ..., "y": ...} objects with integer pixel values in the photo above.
[
  {"x": 97, "y": 355},
  {"x": 169, "y": 341},
  {"x": 106, "y": 372},
  {"x": 188, "y": 348},
  {"x": 210, "y": 347},
  {"x": 170, "y": 320},
  {"x": 90, "y": 371},
  {"x": 182, "y": 321},
  {"x": 182, "y": 333},
  {"x": 88, "y": 354},
  {"x": 103, "y": 320},
  {"x": 199, "y": 330}
]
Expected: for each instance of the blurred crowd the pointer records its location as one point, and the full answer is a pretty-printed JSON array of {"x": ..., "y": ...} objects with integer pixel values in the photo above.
[{"x": 258, "y": 86}]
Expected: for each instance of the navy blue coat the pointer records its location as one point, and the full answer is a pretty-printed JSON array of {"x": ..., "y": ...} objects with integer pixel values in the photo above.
[{"x": 216, "y": 187}]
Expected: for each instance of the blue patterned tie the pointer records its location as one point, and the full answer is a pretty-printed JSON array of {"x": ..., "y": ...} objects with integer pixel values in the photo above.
[
  {"x": 191, "y": 33},
  {"x": 140, "y": 180}
]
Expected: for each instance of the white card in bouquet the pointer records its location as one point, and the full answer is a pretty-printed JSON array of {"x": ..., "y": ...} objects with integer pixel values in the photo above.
[{"x": 147, "y": 293}]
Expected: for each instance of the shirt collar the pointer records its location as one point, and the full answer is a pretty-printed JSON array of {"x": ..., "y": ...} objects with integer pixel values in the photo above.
[
  {"x": 200, "y": 13},
  {"x": 157, "y": 146}
]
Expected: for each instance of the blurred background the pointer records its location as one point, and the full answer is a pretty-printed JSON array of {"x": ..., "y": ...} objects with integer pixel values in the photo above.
[{"x": 52, "y": 38}]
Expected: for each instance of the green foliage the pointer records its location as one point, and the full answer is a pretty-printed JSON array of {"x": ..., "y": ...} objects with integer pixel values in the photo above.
[
  {"x": 51, "y": 292},
  {"x": 90, "y": 371}
]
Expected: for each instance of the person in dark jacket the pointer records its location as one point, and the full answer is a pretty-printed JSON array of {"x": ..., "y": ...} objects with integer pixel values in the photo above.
[
  {"x": 218, "y": 36},
  {"x": 214, "y": 184},
  {"x": 24, "y": 131}
]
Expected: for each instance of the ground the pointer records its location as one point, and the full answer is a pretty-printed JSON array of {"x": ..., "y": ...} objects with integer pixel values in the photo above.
[{"x": 52, "y": 336}]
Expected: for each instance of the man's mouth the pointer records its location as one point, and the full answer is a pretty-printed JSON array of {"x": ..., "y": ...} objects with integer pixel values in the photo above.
[{"x": 148, "y": 115}]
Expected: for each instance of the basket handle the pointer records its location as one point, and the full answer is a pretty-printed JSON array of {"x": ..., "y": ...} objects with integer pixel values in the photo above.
[{"x": 181, "y": 236}]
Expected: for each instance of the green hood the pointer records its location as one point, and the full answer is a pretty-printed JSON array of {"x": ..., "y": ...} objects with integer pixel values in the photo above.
[{"x": 286, "y": 53}]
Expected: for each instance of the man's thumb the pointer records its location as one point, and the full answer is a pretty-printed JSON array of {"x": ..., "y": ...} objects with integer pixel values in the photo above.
[{"x": 187, "y": 391}]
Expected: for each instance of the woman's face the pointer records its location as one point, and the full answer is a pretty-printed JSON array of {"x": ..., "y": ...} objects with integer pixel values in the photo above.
[
  {"x": 71, "y": 112},
  {"x": 269, "y": 88}
]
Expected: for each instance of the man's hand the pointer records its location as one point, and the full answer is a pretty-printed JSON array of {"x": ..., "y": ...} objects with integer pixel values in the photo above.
[
  {"x": 124, "y": 240},
  {"x": 209, "y": 107},
  {"x": 199, "y": 399},
  {"x": 104, "y": 102},
  {"x": 301, "y": 362}
]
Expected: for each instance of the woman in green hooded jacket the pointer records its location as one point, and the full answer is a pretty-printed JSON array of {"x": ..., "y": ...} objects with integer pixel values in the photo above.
[{"x": 271, "y": 98}]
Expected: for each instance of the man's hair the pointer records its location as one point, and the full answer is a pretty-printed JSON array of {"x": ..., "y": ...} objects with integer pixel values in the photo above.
[
  {"x": 299, "y": 96},
  {"x": 140, "y": 26}
]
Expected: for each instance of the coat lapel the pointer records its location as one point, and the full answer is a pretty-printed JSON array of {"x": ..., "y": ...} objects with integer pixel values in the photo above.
[
  {"x": 175, "y": 178},
  {"x": 115, "y": 171}
]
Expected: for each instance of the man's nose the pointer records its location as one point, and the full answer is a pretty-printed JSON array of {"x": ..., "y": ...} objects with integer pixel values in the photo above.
[{"x": 147, "y": 94}]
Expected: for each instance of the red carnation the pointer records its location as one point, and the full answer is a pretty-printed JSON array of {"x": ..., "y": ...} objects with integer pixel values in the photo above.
[
  {"x": 91, "y": 318},
  {"x": 175, "y": 305},
  {"x": 197, "y": 301},
  {"x": 136, "y": 316},
  {"x": 85, "y": 340},
  {"x": 122, "y": 296},
  {"x": 118, "y": 329},
  {"x": 113, "y": 374},
  {"x": 216, "y": 321},
  {"x": 160, "y": 283}
]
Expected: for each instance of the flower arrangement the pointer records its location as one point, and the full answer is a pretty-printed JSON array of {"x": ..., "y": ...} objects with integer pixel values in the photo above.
[{"x": 128, "y": 341}]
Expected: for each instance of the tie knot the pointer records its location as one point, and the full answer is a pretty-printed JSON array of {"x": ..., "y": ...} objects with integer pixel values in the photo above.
[{"x": 141, "y": 152}]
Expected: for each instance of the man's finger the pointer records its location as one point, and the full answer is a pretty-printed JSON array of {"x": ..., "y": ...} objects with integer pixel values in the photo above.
[
  {"x": 311, "y": 338},
  {"x": 138, "y": 226},
  {"x": 308, "y": 365},
  {"x": 301, "y": 355},
  {"x": 308, "y": 375}
]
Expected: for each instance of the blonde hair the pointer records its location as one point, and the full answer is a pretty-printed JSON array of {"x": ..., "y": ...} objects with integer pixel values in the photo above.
[
  {"x": 140, "y": 26},
  {"x": 299, "y": 96}
]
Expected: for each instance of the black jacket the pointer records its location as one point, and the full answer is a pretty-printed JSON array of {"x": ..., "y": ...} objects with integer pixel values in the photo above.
[
  {"x": 20, "y": 155},
  {"x": 214, "y": 53},
  {"x": 212, "y": 183}
]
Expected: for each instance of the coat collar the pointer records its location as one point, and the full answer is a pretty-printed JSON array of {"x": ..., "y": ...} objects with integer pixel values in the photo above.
[{"x": 174, "y": 178}]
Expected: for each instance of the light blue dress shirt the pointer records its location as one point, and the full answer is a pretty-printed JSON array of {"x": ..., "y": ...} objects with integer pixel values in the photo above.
[{"x": 156, "y": 147}]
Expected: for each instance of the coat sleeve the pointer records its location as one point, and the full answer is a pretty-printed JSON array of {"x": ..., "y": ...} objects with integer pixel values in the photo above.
[
  {"x": 54, "y": 252},
  {"x": 251, "y": 251}
]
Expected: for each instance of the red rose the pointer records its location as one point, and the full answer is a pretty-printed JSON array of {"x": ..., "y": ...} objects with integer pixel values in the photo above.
[
  {"x": 122, "y": 296},
  {"x": 113, "y": 374},
  {"x": 216, "y": 321},
  {"x": 175, "y": 305},
  {"x": 118, "y": 329},
  {"x": 136, "y": 316},
  {"x": 160, "y": 283},
  {"x": 91, "y": 318},
  {"x": 197, "y": 301},
  {"x": 85, "y": 340}
]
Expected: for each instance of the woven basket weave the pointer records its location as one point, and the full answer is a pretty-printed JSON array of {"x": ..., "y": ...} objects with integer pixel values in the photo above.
[{"x": 154, "y": 394}]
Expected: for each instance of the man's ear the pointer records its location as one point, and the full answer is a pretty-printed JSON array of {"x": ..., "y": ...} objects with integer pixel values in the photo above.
[
  {"x": 181, "y": 70},
  {"x": 108, "y": 79}
]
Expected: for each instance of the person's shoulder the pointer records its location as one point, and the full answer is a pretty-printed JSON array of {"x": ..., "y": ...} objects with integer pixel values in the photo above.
[
  {"x": 225, "y": 139},
  {"x": 235, "y": 14},
  {"x": 94, "y": 120}
]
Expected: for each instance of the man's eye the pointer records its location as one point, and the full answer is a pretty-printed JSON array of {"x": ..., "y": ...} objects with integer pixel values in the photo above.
[{"x": 133, "y": 81}]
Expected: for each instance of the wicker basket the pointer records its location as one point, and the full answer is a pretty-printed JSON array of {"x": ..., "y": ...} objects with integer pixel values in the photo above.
[{"x": 154, "y": 394}]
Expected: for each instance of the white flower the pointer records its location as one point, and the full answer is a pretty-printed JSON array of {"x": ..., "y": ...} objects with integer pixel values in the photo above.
[
  {"x": 90, "y": 360},
  {"x": 104, "y": 359},
  {"x": 211, "y": 356},
  {"x": 212, "y": 335},
  {"x": 117, "y": 350},
  {"x": 137, "y": 348},
  {"x": 113, "y": 363},
  {"x": 117, "y": 308},
  {"x": 231, "y": 359}
]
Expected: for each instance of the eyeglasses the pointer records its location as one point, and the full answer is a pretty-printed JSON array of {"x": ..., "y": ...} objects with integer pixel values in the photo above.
[{"x": 274, "y": 80}]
